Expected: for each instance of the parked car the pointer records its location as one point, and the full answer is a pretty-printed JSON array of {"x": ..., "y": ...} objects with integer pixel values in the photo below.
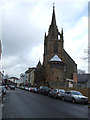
[
  {"x": 26, "y": 88},
  {"x": 12, "y": 87},
  {"x": 56, "y": 93},
  {"x": 60, "y": 93},
  {"x": 34, "y": 89},
  {"x": 52, "y": 93},
  {"x": 2, "y": 90},
  {"x": 0, "y": 94},
  {"x": 75, "y": 96},
  {"x": 38, "y": 89},
  {"x": 31, "y": 89},
  {"x": 6, "y": 86},
  {"x": 44, "y": 90},
  {"x": 22, "y": 87}
]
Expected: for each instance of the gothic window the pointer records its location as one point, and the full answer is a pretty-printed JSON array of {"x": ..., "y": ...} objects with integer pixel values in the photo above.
[
  {"x": 65, "y": 68},
  {"x": 55, "y": 48}
]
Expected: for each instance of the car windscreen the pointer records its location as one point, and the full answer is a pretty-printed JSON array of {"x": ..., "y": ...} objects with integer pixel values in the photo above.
[
  {"x": 76, "y": 93},
  {"x": 62, "y": 91}
]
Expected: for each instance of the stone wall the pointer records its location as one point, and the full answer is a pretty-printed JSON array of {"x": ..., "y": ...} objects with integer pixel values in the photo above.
[{"x": 71, "y": 66}]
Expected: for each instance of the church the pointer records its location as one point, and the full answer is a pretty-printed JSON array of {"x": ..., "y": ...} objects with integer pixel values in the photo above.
[{"x": 57, "y": 64}]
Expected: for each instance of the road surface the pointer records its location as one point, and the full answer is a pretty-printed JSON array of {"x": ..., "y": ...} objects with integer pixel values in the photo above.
[{"x": 24, "y": 104}]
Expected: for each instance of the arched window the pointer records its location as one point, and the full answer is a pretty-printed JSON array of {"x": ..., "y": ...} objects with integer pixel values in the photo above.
[{"x": 58, "y": 37}]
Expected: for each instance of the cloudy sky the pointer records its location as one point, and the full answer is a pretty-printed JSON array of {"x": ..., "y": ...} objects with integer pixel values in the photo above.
[{"x": 24, "y": 23}]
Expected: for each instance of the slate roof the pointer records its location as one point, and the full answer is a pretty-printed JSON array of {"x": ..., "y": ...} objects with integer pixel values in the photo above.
[
  {"x": 55, "y": 58},
  {"x": 82, "y": 77}
]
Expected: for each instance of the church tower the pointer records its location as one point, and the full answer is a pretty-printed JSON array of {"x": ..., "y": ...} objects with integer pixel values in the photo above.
[
  {"x": 57, "y": 63},
  {"x": 53, "y": 52},
  {"x": 53, "y": 42}
]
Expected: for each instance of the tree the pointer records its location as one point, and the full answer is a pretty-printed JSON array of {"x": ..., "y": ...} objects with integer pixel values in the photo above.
[
  {"x": 87, "y": 57},
  {"x": 87, "y": 54}
]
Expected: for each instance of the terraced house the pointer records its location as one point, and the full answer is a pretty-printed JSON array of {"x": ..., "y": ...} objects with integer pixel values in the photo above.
[{"x": 57, "y": 64}]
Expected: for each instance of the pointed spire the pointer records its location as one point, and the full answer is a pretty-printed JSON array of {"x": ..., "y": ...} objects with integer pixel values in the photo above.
[
  {"x": 39, "y": 64},
  {"x": 53, "y": 30},
  {"x": 45, "y": 38},
  {"x": 62, "y": 30},
  {"x": 53, "y": 22},
  {"x": 62, "y": 33},
  {"x": 45, "y": 34},
  {"x": 0, "y": 46}
]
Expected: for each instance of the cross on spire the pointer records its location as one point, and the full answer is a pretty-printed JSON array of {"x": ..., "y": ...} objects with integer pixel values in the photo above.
[
  {"x": 53, "y": 4},
  {"x": 53, "y": 22}
]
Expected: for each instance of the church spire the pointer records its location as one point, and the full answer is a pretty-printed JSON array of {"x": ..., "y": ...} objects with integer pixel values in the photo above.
[
  {"x": 53, "y": 22},
  {"x": 53, "y": 30}
]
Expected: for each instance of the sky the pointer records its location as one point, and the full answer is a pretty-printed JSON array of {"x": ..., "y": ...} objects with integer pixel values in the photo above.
[{"x": 23, "y": 24}]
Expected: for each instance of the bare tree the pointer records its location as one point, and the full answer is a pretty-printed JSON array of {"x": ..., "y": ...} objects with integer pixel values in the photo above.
[
  {"x": 87, "y": 54},
  {"x": 86, "y": 57}
]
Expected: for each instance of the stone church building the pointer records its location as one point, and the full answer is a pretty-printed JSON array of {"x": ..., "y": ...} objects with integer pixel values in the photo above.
[{"x": 57, "y": 64}]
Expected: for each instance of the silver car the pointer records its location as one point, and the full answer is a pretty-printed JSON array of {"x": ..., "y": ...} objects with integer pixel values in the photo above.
[
  {"x": 0, "y": 94},
  {"x": 75, "y": 96},
  {"x": 56, "y": 93}
]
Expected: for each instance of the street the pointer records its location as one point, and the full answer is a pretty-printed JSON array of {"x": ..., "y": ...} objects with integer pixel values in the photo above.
[
  {"x": 0, "y": 111},
  {"x": 24, "y": 104}
]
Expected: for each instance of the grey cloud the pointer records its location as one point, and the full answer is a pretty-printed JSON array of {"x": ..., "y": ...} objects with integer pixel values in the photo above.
[{"x": 20, "y": 34}]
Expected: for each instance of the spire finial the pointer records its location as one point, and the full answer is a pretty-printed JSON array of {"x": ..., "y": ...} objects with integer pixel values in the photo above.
[
  {"x": 53, "y": 22},
  {"x": 45, "y": 35},
  {"x": 53, "y": 4}
]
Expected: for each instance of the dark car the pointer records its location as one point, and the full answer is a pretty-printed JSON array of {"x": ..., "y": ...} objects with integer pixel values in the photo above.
[
  {"x": 75, "y": 96},
  {"x": 38, "y": 89},
  {"x": 44, "y": 90},
  {"x": 12, "y": 87},
  {"x": 56, "y": 93}
]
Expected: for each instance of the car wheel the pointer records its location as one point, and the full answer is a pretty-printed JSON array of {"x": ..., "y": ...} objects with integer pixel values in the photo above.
[
  {"x": 63, "y": 98},
  {"x": 73, "y": 100}
]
